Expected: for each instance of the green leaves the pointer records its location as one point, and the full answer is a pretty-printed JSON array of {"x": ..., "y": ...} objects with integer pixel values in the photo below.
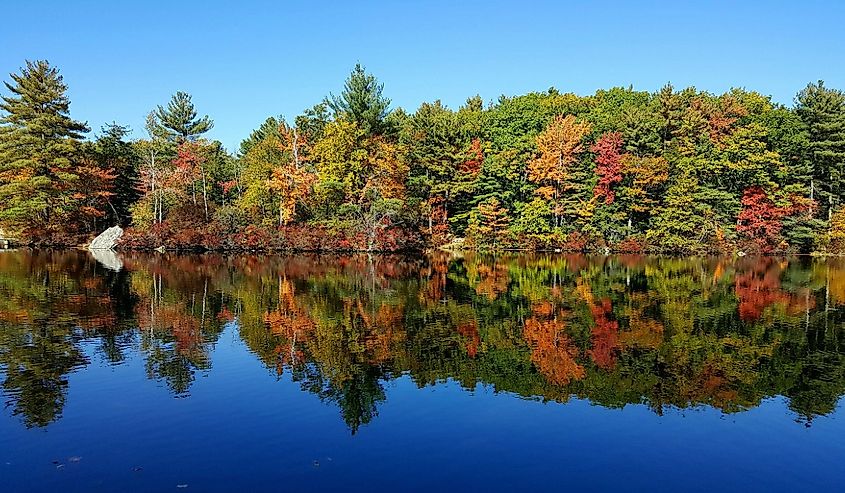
[
  {"x": 362, "y": 102},
  {"x": 178, "y": 122},
  {"x": 38, "y": 144}
]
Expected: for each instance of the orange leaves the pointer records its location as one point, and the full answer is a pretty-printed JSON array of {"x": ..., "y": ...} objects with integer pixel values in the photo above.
[
  {"x": 293, "y": 185},
  {"x": 186, "y": 165},
  {"x": 559, "y": 145},
  {"x": 474, "y": 159},
  {"x": 488, "y": 224},
  {"x": 758, "y": 287},
  {"x": 469, "y": 331},
  {"x": 92, "y": 190},
  {"x": 290, "y": 322},
  {"x": 722, "y": 116},
  {"x": 492, "y": 280},
  {"x": 552, "y": 351},
  {"x": 605, "y": 331},
  {"x": 387, "y": 171},
  {"x": 291, "y": 181}
]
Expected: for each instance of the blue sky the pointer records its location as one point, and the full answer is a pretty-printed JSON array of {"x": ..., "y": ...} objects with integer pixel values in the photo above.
[{"x": 246, "y": 60}]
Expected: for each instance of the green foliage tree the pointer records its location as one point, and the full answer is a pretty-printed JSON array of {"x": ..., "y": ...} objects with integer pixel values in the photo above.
[
  {"x": 112, "y": 151},
  {"x": 38, "y": 145},
  {"x": 823, "y": 112},
  {"x": 179, "y": 121},
  {"x": 361, "y": 101}
]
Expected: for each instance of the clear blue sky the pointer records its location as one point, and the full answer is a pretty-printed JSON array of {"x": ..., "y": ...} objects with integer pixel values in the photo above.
[{"x": 246, "y": 60}]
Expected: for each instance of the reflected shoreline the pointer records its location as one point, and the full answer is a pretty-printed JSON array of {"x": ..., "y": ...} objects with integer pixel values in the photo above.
[{"x": 668, "y": 332}]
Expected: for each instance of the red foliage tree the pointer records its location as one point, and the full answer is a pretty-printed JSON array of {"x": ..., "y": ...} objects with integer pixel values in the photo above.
[
  {"x": 760, "y": 220},
  {"x": 608, "y": 150},
  {"x": 474, "y": 159},
  {"x": 605, "y": 335}
]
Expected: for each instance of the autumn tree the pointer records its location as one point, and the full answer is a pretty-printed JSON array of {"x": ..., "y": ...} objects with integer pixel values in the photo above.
[
  {"x": 444, "y": 160},
  {"x": 608, "y": 151},
  {"x": 113, "y": 151},
  {"x": 156, "y": 152},
  {"x": 292, "y": 181},
  {"x": 761, "y": 219},
  {"x": 488, "y": 224},
  {"x": 559, "y": 145}
]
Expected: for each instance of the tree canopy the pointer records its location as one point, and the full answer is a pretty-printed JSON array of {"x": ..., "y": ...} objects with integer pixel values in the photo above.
[{"x": 675, "y": 170}]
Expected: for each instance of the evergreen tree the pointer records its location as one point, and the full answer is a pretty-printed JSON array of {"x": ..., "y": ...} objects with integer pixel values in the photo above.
[
  {"x": 112, "y": 151},
  {"x": 270, "y": 127},
  {"x": 38, "y": 142},
  {"x": 179, "y": 121},
  {"x": 362, "y": 102},
  {"x": 823, "y": 112}
]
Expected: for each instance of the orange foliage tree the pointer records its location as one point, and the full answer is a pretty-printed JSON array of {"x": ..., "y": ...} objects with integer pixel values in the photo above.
[{"x": 559, "y": 146}]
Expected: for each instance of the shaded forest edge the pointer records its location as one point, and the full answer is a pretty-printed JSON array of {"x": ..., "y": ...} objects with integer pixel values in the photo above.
[{"x": 674, "y": 171}]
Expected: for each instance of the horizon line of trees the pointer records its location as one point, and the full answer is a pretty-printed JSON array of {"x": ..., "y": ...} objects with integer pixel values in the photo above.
[{"x": 675, "y": 170}]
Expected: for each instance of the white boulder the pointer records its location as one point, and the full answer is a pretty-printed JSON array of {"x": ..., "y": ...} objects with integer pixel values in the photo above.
[{"x": 107, "y": 239}]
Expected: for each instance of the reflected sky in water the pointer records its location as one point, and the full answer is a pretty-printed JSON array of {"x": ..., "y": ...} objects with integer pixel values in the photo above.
[{"x": 455, "y": 372}]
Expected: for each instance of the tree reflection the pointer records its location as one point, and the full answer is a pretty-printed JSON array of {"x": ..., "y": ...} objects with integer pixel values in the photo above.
[{"x": 667, "y": 332}]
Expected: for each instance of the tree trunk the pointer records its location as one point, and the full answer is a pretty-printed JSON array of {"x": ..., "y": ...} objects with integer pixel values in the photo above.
[{"x": 204, "y": 192}]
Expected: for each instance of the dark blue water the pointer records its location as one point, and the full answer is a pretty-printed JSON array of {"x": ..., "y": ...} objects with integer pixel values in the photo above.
[{"x": 332, "y": 374}]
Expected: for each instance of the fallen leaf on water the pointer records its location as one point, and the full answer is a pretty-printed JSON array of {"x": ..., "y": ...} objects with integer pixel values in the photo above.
[
  {"x": 74, "y": 459},
  {"x": 181, "y": 485}
]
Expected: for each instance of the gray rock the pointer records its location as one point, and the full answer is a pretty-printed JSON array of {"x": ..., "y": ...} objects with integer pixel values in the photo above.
[{"x": 107, "y": 239}]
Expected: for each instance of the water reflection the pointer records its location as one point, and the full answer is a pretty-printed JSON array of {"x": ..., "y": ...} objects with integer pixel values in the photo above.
[{"x": 666, "y": 332}]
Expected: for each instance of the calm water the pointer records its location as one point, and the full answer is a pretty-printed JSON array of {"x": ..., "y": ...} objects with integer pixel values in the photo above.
[{"x": 461, "y": 373}]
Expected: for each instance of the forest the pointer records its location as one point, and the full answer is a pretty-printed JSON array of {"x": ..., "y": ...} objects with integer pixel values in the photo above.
[{"x": 676, "y": 171}]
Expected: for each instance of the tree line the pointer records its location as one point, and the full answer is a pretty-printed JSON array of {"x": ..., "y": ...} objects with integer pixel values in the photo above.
[{"x": 675, "y": 171}]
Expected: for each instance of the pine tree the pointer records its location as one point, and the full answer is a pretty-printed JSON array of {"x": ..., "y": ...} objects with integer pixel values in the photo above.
[
  {"x": 38, "y": 143},
  {"x": 362, "y": 102},
  {"x": 114, "y": 152},
  {"x": 179, "y": 122},
  {"x": 823, "y": 112}
]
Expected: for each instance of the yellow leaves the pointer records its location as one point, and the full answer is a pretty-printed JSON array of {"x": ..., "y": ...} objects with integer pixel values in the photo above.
[
  {"x": 292, "y": 184},
  {"x": 834, "y": 239},
  {"x": 559, "y": 145},
  {"x": 545, "y": 192},
  {"x": 647, "y": 173},
  {"x": 387, "y": 171},
  {"x": 359, "y": 163}
]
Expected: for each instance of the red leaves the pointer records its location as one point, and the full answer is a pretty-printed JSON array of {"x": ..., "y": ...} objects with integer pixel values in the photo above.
[
  {"x": 604, "y": 335},
  {"x": 761, "y": 220},
  {"x": 608, "y": 150},
  {"x": 186, "y": 164},
  {"x": 475, "y": 157}
]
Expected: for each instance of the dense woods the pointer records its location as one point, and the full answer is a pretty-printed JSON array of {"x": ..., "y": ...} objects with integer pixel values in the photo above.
[{"x": 678, "y": 170}]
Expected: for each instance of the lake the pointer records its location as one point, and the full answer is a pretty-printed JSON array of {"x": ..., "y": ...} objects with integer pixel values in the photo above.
[{"x": 455, "y": 372}]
